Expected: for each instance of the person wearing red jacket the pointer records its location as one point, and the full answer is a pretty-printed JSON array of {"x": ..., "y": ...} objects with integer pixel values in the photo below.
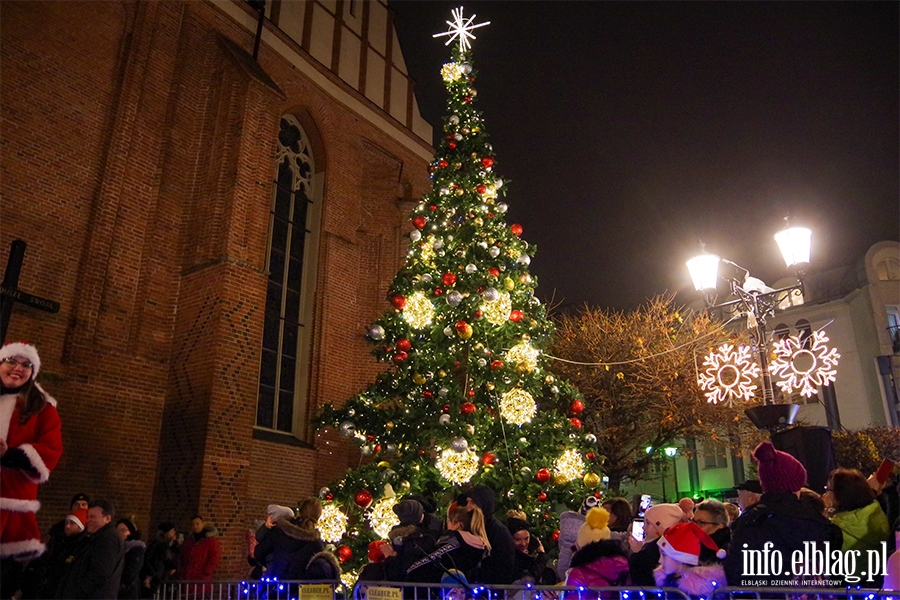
[
  {"x": 30, "y": 448},
  {"x": 201, "y": 552}
]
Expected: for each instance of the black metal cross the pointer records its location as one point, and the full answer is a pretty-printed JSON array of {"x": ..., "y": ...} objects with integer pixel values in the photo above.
[{"x": 10, "y": 293}]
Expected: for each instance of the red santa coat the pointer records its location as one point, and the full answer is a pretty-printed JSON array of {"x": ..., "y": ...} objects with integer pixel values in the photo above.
[{"x": 34, "y": 450}]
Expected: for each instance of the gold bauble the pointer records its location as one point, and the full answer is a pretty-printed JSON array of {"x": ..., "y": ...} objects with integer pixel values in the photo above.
[
  {"x": 464, "y": 130},
  {"x": 479, "y": 222},
  {"x": 591, "y": 480},
  {"x": 442, "y": 373},
  {"x": 560, "y": 480},
  {"x": 459, "y": 191},
  {"x": 489, "y": 385},
  {"x": 389, "y": 425},
  {"x": 384, "y": 464},
  {"x": 419, "y": 379},
  {"x": 525, "y": 278},
  {"x": 404, "y": 485},
  {"x": 466, "y": 333},
  {"x": 549, "y": 379},
  {"x": 509, "y": 283}
]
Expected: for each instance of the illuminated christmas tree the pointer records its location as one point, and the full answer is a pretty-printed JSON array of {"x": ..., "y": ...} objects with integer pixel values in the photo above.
[{"x": 467, "y": 399}]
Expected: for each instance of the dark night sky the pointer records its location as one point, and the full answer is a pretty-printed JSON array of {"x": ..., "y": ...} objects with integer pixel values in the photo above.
[{"x": 628, "y": 131}]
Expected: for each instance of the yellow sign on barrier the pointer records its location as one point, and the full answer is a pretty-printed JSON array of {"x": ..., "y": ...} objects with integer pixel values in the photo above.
[
  {"x": 383, "y": 593},
  {"x": 316, "y": 592}
]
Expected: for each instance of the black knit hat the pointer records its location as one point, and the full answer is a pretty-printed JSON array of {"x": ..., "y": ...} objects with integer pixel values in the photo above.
[
  {"x": 409, "y": 511},
  {"x": 165, "y": 527},
  {"x": 514, "y": 524},
  {"x": 79, "y": 496}
]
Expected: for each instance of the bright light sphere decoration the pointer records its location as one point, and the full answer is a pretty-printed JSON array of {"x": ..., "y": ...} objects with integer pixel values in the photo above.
[
  {"x": 728, "y": 375},
  {"x": 461, "y": 28},
  {"x": 382, "y": 518},
  {"x": 332, "y": 524},
  {"x": 457, "y": 467},
  {"x": 804, "y": 369}
]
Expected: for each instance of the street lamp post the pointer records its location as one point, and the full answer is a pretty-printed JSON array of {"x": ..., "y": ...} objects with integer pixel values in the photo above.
[{"x": 753, "y": 297}]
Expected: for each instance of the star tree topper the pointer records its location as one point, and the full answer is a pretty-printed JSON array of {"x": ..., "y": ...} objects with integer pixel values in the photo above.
[{"x": 462, "y": 29}]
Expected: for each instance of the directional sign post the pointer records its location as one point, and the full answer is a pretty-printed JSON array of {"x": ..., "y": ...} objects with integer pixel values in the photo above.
[{"x": 10, "y": 294}]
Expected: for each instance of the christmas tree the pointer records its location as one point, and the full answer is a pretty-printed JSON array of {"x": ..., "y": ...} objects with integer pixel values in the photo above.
[{"x": 467, "y": 399}]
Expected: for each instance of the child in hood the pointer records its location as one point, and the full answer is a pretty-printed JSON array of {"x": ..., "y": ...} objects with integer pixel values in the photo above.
[
  {"x": 679, "y": 561},
  {"x": 598, "y": 560}
]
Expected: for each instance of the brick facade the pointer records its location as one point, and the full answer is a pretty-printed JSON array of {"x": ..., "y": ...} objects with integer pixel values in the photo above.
[{"x": 137, "y": 159}]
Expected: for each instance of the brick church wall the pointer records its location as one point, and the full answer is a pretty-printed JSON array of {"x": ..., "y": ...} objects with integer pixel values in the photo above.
[{"x": 138, "y": 145}]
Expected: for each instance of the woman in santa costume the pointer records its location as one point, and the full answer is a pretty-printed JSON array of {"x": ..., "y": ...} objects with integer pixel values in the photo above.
[{"x": 30, "y": 447}]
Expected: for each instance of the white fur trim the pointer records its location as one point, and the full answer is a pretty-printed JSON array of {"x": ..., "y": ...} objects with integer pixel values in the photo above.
[
  {"x": 683, "y": 557},
  {"x": 17, "y": 505},
  {"x": 24, "y": 350},
  {"x": 7, "y": 406},
  {"x": 26, "y": 549},
  {"x": 37, "y": 462}
]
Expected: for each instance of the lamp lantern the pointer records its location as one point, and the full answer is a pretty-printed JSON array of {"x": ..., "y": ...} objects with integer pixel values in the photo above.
[
  {"x": 795, "y": 243},
  {"x": 704, "y": 269}
]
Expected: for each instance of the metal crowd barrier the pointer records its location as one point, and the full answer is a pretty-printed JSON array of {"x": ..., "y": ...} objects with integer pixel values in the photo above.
[
  {"x": 252, "y": 590},
  {"x": 804, "y": 593},
  {"x": 384, "y": 590}
]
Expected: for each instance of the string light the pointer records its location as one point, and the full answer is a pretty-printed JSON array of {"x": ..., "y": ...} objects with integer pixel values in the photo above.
[
  {"x": 524, "y": 355},
  {"x": 517, "y": 406},
  {"x": 728, "y": 375},
  {"x": 497, "y": 312},
  {"x": 820, "y": 368},
  {"x": 569, "y": 466},
  {"x": 332, "y": 524},
  {"x": 418, "y": 311},
  {"x": 348, "y": 578},
  {"x": 457, "y": 467},
  {"x": 382, "y": 518}
]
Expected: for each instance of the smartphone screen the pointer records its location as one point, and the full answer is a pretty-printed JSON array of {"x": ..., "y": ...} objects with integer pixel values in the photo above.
[{"x": 637, "y": 529}]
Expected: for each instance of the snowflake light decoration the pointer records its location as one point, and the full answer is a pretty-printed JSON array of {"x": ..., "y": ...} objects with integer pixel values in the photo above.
[
  {"x": 462, "y": 29},
  {"x": 728, "y": 375},
  {"x": 805, "y": 369}
]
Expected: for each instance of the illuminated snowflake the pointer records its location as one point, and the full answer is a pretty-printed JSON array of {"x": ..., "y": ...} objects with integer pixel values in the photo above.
[
  {"x": 461, "y": 29},
  {"x": 804, "y": 369},
  {"x": 728, "y": 375}
]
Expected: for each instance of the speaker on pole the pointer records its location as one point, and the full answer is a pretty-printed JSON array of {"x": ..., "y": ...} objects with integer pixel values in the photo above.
[{"x": 813, "y": 447}]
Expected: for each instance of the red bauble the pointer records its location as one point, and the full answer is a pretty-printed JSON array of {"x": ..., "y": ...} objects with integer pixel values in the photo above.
[
  {"x": 496, "y": 364},
  {"x": 542, "y": 497},
  {"x": 471, "y": 393},
  {"x": 555, "y": 536},
  {"x": 448, "y": 278},
  {"x": 461, "y": 326},
  {"x": 428, "y": 394},
  {"x": 516, "y": 315},
  {"x": 419, "y": 222},
  {"x": 432, "y": 208},
  {"x": 446, "y": 408},
  {"x": 543, "y": 475},
  {"x": 363, "y": 498},
  {"x": 399, "y": 301},
  {"x": 515, "y": 228},
  {"x": 477, "y": 314},
  {"x": 487, "y": 162},
  {"x": 443, "y": 164},
  {"x": 344, "y": 553},
  {"x": 590, "y": 456},
  {"x": 404, "y": 344},
  {"x": 493, "y": 272},
  {"x": 467, "y": 99},
  {"x": 329, "y": 496},
  {"x": 400, "y": 356},
  {"x": 438, "y": 291},
  {"x": 481, "y": 188},
  {"x": 467, "y": 408},
  {"x": 451, "y": 145},
  {"x": 488, "y": 458},
  {"x": 576, "y": 422},
  {"x": 577, "y": 406}
]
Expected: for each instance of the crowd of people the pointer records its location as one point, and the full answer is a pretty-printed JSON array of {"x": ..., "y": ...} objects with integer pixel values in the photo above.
[{"x": 693, "y": 546}]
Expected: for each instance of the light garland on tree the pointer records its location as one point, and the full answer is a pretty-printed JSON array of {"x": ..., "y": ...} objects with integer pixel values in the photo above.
[
  {"x": 517, "y": 406},
  {"x": 349, "y": 578},
  {"x": 457, "y": 467},
  {"x": 332, "y": 524},
  {"x": 524, "y": 356},
  {"x": 497, "y": 312},
  {"x": 728, "y": 375},
  {"x": 418, "y": 311},
  {"x": 821, "y": 370},
  {"x": 382, "y": 517},
  {"x": 428, "y": 253},
  {"x": 569, "y": 466}
]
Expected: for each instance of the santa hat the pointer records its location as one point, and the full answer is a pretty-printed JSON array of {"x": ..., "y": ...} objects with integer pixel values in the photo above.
[
  {"x": 682, "y": 542},
  {"x": 595, "y": 527},
  {"x": 375, "y": 550},
  {"x": 79, "y": 517},
  {"x": 279, "y": 512},
  {"x": 779, "y": 472},
  {"x": 22, "y": 350}
]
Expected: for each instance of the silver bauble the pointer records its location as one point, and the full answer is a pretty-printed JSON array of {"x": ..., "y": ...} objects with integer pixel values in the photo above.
[
  {"x": 525, "y": 470},
  {"x": 524, "y": 259},
  {"x": 554, "y": 389},
  {"x": 482, "y": 362},
  {"x": 448, "y": 331},
  {"x": 324, "y": 492},
  {"x": 491, "y": 294},
  {"x": 366, "y": 449},
  {"x": 494, "y": 251},
  {"x": 415, "y": 235},
  {"x": 348, "y": 428},
  {"x": 426, "y": 278},
  {"x": 454, "y": 119},
  {"x": 454, "y": 298},
  {"x": 459, "y": 444},
  {"x": 457, "y": 136},
  {"x": 376, "y": 332},
  {"x": 443, "y": 392},
  {"x": 590, "y": 438},
  {"x": 437, "y": 244},
  {"x": 498, "y": 183},
  {"x": 390, "y": 448},
  {"x": 502, "y": 207},
  {"x": 466, "y": 68},
  {"x": 470, "y": 268},
  {"x": 444, "y": 419},
  {"x": 351, "y": 412}
]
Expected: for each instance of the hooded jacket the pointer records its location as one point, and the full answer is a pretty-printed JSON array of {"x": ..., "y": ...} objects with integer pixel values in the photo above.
[
  {"x": 499, "y": 566},
  {"x": 863, "y": 529},
  {"x": 200, "y": 555},
  {"x": 410, "y": 542},
  {"x": 696, "y": 582},
  {"x": 599, "y": 564},
  {"x": 291, "y": 547}
]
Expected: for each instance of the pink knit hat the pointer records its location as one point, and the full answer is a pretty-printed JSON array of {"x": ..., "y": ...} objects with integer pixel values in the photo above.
[{"x": 779, "y": 472}]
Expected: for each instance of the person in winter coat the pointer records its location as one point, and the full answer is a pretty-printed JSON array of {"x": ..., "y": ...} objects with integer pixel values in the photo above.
[
  {"x": 498, "y": 565},
  {"x": 323, "y": 566},
  {"x": 531, "y": 559},
  {"x": 30, "y": 448},
  {"x": 130, "y": 584},
  {"x": 201, "y": 552},
  {"x": 863, "y": 524},
  {"x": 619, "y": 521},
  {"x": 42, "y": 575},
  {"x": 779, "y": 519},
  {"x": 656, "y": 520},
  {"x": 599, "y": 560},
  {"x": 570, "y": 523},
  {"x": 463, "y": 548},
  {"x": 161, "y": 559},
  {"x": 291, "y": 542},
  {"x": 410, "y": 540},
  {"x": 79, "y": 501},
  {"x": 679, "y": 562},
  {"x": 712, "y": 517},
  {"x": 97, "y": 568}
]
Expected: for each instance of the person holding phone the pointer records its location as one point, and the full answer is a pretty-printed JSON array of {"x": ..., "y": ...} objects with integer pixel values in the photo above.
[
  {"x": 656, "y": 520},
  {"x": 856, "y": 511}
]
